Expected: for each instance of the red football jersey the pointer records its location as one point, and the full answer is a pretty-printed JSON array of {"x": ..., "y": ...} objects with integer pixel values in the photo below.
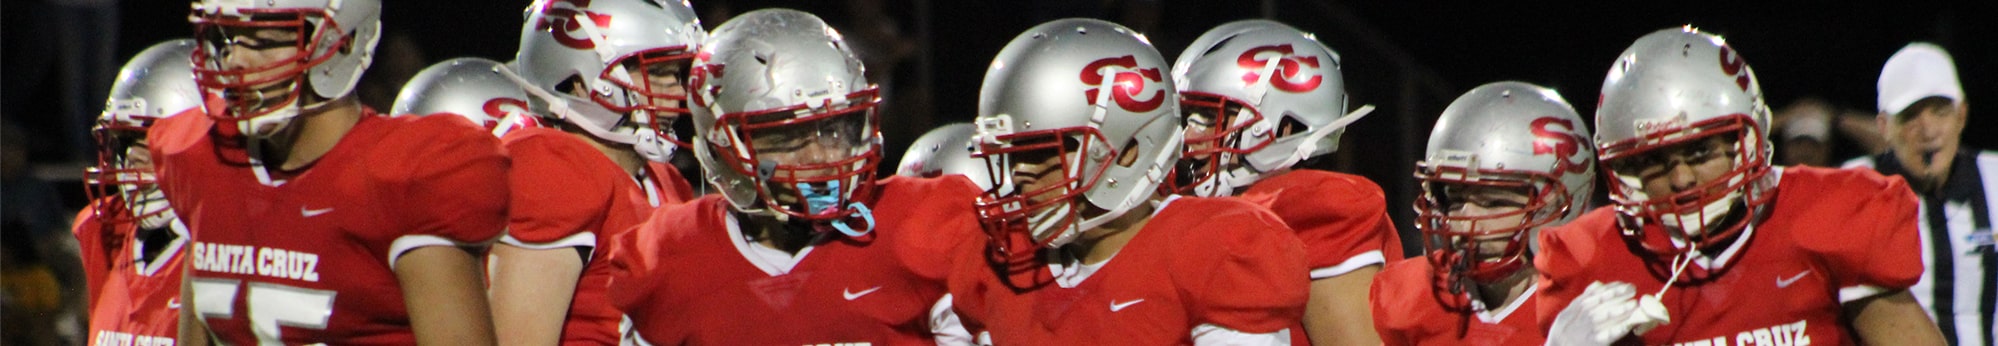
[
  {"x": 1342, "y": 218},
  {"x": 134, "y": 297},
  {"x": 566, "y": 193},
  {"x": 1831, "y": 236},
  {"x": 685, "y": 276},
  {"x": 309, "y": 258},
  {"x": 1412, "y": 308},
  {"x": 1218, "y": 261}
]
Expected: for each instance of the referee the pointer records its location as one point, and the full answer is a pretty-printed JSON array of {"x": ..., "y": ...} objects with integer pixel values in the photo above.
[{"x": 1922, "y": 115}]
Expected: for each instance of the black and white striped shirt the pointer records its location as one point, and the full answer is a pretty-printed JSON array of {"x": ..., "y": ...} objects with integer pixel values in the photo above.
[{"x": 1959, "y": 289}]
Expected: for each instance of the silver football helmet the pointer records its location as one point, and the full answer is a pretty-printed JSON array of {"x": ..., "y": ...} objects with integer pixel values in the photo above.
[
  {"x": 946, "y": 150},
  {"x": 628, "y": 57},
  {"x": 262, "y": 96},
  {"x": 1507, "y": 135},
  {"x": 784, "y": 119},
  {"x": 1679, "y": 86},
  {"x": 157, "y": 83},
  {"x": 474, "y": 88},
  {"x": 1092, "y": 94},
  {"x": 1258, "y": 97}
]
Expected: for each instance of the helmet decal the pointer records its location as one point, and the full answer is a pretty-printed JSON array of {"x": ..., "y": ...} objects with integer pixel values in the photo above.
[
  {"x": 499, "y": 107},
  {"x": 1562, "y": 143},
  {"x": 1287, "y": 68},
  {"x": 1129, "y": 80},
  {"x": 1731, "y": 64},
  {"x": 560, "y": 22}
]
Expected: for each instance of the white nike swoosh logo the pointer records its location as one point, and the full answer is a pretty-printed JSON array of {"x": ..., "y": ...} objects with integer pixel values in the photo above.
[
  {"x": 1783, "y": 283},
  {"x": 851, "y": 295},
  {"x": 173, "y": 303},
  {"x": 1115, "y": 306},
  {"x": 308, "y": 212}
]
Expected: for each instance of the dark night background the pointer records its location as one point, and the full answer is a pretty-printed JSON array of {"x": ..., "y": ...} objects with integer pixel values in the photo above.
[{"x": 1409, "y": 58}]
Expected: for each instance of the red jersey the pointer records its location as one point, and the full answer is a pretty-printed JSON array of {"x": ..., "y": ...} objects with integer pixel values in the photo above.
[
  {"x": 566, "y": 193},
  {"x": 1411, "y": 307},
  {"x": 687, "y": 275},
  {"x": 1198, "y": 261},
  {"x": 134, "y": 291},
  {"x": 1831, "y": 236},
  {"x": 309, "y": 257},
  {"x": 1342, "y": 218}
]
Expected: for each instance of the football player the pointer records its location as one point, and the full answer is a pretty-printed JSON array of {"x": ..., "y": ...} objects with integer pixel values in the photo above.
[
  {"x": 314, "y": 218},
  {"x": 130, "y": 239},
  {"x": 1706, "y": 242},
  {"x": 802, "y": 245},
  {"x": 1078, "y": 118},
  {"x": 608, "y": 75},
  {"x": 1506, "y": 160},
  {"x": 474, "y": 88},
  {"x": 1258, "y": 98}
]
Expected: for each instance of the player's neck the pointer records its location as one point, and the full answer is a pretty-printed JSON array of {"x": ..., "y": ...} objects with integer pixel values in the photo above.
[
  {"x": 623, "y": 155},
  {"x": 1497, "y": 295},
  {"x": 789, "y": 237},
  {"x": 314, "y": 133},
  {"x": 1099, "y": 244}
]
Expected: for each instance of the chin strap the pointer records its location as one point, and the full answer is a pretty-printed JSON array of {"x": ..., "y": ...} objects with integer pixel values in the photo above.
[{"x": 559, "y": 106}]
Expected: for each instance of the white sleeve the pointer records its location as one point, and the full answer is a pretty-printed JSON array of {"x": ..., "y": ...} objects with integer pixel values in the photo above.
[
  {"x": 945, "y": 325},
  {"x": 1210, "y": 334},
  {"x": 1352, "y": 263}
]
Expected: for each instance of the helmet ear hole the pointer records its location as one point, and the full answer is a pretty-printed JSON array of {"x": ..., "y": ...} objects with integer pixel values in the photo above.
[
  {"x": 569, "y": 85},
  {"x": 1289, "y": 125}
]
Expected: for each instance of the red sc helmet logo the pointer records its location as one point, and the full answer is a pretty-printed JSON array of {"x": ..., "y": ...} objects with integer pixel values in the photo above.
[
  {"x": 1733, "y": 66},
  {"x": 1127, "y": 80},
  {"x": 1562, "y": 143},
  {"x": 561, "y": 21},
  {"x": 499, "y": 107},
  {"x": 1288, "y": 67}
]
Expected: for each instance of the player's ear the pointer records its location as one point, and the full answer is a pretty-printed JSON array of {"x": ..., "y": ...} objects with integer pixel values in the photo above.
[{"x": 1130, "y": 154}]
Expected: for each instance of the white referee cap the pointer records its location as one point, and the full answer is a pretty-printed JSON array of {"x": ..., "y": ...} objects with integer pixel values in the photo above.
[{"x": 1920, "y": 70}]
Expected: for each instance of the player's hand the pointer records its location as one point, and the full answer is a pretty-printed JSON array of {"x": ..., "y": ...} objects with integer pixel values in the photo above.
[{"x": 1604, "y": 313}]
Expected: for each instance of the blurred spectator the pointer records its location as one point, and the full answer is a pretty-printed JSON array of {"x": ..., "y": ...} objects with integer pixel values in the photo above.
[
  {"x": 32, "y": 293},
  {"x": 42, "y": 273},
  {"x": 1803, "y": 134},
  {"x": 1813, "y": 132}
]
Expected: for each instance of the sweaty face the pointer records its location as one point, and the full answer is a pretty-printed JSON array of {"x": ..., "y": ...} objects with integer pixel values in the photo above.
[
  {"x": 1668, "y": 171},
  {"x": 1036, "y": 170},
  {"x": 811, "y": 151},
  {"x": 255, "y": 65},
  {"x": 1482, "y": 208},
  {"x": 661, "y": 79}
]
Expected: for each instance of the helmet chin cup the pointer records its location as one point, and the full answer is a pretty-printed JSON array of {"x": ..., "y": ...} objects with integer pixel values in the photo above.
[
  {"x": 1693, "y": 224},
  {"x": 269, "y": 124},
  {"x": 651, "y": 147},
  {"x": 1055, "y": 227}
]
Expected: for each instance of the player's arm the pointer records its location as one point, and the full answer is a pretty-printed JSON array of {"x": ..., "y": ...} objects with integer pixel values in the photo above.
[
  {"x": 441, "y": 288},
  {"x": 528, "y": 284},
  {"x": 1893, "y": 318},
  {"x": 1876, "y": 270},
  {"x": 192, "y": 330},
  {"x": 1337, "y": 313},
  {"x": 1253, "y": 284}
]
